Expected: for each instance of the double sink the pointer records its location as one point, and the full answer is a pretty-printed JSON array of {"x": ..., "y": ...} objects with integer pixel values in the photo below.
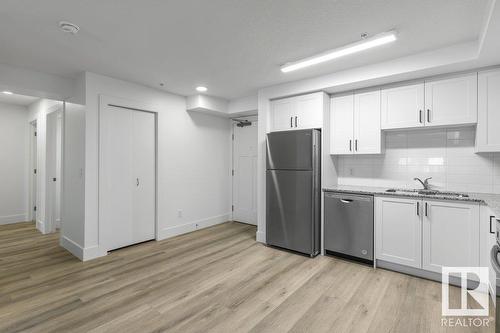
[{"x": 428, "y": 192}]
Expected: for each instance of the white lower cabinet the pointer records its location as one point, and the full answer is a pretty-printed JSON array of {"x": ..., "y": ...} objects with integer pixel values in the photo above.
[
  {"x": 450, "y": 235},
  {"x": 397, "y": 230},
  {"x": 427, "y": 234}
]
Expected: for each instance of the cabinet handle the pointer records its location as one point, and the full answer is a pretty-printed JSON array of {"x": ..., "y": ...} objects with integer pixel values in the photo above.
[
  {"x": 295, "y": 121},
  {"x": 291, "y": 122},
  {"x": 418, "y": 208},
  {"x": 428, "y": 115},
  {"x": 420, "y": 116},
  {"x": 491, "y": 222},
  {"x": 350, "y": 145},
  {"x": 356, "y": 144},
  {"x": 426, "y": 209}
]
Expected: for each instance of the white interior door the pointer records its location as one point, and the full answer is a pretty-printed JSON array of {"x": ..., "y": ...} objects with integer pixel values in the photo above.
[
  {"x": 144, "y": 169},
  {"x": 127, "y": 177},
  {"x": 245, "y": 173}
]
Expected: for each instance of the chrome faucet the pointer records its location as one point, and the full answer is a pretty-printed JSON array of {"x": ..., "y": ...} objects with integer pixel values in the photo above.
[{"x": 424, "y": 183}]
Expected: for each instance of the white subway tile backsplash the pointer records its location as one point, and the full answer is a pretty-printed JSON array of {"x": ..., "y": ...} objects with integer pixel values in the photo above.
[{"x": 446, "y": 155}]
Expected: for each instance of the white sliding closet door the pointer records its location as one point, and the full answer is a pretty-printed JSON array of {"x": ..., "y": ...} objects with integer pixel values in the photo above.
[{"x": 126, "y": 177}]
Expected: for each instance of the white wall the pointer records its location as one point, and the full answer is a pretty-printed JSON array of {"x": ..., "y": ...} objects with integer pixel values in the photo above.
[
  {"x": 446, "y": 155},
  {"x": 193, "y": 161},
  {"x": 38, "y": 111},
  {"x": 73, "y": 179},
  {"x": 14, "y": 157}
]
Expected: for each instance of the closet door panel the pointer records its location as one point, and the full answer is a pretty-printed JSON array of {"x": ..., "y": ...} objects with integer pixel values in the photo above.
[
  {"x": 115, "y": 195},
  {"x": 144, "y": 178}
]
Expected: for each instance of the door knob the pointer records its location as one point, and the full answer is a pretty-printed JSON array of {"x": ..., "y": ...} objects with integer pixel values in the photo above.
[{"x": 137, "y": 180}]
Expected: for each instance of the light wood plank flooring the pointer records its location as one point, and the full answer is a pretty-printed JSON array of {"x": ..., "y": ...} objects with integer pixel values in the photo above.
[{"x": 213, "y": 280}]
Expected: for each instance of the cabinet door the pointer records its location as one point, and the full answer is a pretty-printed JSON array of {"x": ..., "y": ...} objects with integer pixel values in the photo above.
[
  {"x": 282, "y": 113},
  {"x": 341, "y": 125},
  {"x": 398, "y": 231},
  {"x": 488, "y": 134},
  {"x": 450, "y": 235},
  {"x": 403, "y": 107},
  {"x": 309, "y": 111},
  {"x": 367, "y": 133},
  {"x": 452, "y": 101}
]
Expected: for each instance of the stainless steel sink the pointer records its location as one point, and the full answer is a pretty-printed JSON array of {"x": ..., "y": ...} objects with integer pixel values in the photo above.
[{"x": 428, "y": 192}]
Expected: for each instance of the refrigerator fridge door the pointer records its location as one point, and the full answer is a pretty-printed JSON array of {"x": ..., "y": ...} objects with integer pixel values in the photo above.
[
  {"x": 290, "y": 211},
  {"x": 290, "y": 150}
]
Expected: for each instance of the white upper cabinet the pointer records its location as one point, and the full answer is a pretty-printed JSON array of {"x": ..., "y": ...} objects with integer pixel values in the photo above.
[
  {"x": 299, "y": 112},
  {"x": 451, "y": 101},
  {"x": 342, "y": 124},
  {"x": 444, "y": 102},
  {"x": 403, "y": 107},
  {"x": 309, "y": 110},
  {"x": 282, "y": 112},
  {"x": 450, "y": 235},
  {"x": 355, "y": 124},
  {"x": 367, "y": 133},
  {"x": 488, "y": 133}
]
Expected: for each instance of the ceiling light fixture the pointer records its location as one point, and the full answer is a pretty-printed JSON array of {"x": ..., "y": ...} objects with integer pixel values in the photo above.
[
  {"x": 7, "y": 92},
  {"x": 364, "y": 44},
  {"x": 69, "y": 27},
  {"x": 201, "y": 89}
]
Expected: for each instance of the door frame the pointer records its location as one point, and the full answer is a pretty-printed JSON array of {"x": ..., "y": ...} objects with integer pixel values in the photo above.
[
  {"x": 104, "y": 101},
  {"x": 33, "y": 165},
  {"x": 252, "y": 118},
  {"x": 50, "y": 187}
]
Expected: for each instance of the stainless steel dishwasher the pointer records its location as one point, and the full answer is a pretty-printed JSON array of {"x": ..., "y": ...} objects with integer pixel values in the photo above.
[{"x": 348, "y": 230}]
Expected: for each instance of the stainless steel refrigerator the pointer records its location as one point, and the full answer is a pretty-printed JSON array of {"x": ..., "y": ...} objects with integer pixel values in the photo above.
[{"x": 293, "y": 190}]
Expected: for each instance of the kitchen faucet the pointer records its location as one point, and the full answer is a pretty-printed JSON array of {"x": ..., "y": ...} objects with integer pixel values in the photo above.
[{"x": 424, "y": 183}]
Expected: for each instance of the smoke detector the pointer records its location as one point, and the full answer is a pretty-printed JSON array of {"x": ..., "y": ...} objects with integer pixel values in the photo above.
[{"x": 69, "y": 27}]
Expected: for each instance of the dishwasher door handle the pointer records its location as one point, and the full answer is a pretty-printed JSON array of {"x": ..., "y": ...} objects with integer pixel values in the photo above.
[{"x": 346, "y": 200}]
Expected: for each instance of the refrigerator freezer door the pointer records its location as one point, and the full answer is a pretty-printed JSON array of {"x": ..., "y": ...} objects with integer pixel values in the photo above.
[
  {"x": 290, "y": 150},
  {"x": 289, "y": 220}
]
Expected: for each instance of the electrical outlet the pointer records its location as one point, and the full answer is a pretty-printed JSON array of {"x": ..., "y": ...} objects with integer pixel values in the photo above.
[{"x": 179, "y": 213}]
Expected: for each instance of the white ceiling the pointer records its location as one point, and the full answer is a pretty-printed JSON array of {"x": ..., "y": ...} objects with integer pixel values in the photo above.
[
  {"x": 17, "y": 99},
  {"x": 232, "y": 47}
]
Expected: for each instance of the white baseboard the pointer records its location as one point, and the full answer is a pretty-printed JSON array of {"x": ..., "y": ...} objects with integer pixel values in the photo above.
[
  {"x": 93, "y": 252},
  {"x": 81, "y": 253},
  {"x": 40, "y": 225},
  {"x": 261, "y": 237},
  {"x": 192, "y": 226},
  {"x": 72, "y": 247},
  {"x": 9, "y": 219}
]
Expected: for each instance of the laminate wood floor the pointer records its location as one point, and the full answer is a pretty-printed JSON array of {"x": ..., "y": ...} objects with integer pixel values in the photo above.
[{"x": 213, "y": 280}]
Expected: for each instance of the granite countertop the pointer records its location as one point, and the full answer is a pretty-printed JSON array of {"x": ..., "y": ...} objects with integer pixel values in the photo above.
[{"x": 490, "y": 199}]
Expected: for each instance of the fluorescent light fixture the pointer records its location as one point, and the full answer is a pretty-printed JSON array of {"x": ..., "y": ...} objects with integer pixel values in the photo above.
[
  {"x": 364, "y": 44},
  {"x": 7, "y": 92},
  {"x": 201, "y": 89}
]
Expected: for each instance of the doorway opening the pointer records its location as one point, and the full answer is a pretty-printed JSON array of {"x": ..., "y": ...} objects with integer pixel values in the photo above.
[{"x": 244, "y": 187}]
